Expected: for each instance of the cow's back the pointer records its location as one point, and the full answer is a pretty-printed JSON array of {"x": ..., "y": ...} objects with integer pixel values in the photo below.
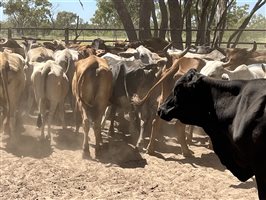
[{"x": 93, "y": 82}]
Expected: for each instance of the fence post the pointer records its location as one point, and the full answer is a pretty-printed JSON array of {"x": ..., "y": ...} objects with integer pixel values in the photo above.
[
  {"x": 66, "y": 35},
  {"x": 9, "y": 33}
]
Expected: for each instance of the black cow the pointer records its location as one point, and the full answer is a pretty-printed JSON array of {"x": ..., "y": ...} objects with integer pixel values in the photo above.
[
  {"x": 130, "y": 78},
  {"x": 232, "y": 113},
  {"x": 98, "y": 44}
]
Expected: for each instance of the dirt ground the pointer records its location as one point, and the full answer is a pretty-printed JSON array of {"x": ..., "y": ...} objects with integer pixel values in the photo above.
[{"x": 34, "y": 169}]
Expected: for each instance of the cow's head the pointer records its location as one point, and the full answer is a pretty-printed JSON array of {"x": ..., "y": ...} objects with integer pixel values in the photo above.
[
  {"x": 238, "y": 56},
  {"x": 98, "y": 44},
  {"x": 185, "y": 101}
]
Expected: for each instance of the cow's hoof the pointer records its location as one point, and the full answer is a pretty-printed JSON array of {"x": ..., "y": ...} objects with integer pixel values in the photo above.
[
  {"x": 21, "y": 129},
  {"x": 99, "y": 152},
  {"x": 98, "y": 155},
  {"x": 48, "y": 137},
  {"x": 188, "y": 154},
  {"x": 140, "y": 148},
  {"x": 86, "y": 155},
  {"x": 150, "y": 152},
  {"x": 42, "y": 138}
]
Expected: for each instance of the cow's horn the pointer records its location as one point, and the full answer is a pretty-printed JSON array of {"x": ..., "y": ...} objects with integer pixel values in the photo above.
[
  {"x": 225, "y": 64},
  {"x": 167, "y": 47},
  {"x": 184, "y": 52},
  {"x": 3, "y": 41},
  {"x": 254, "y": 48}
]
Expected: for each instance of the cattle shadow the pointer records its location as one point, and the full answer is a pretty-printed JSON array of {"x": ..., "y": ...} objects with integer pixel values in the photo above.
[
  {"x": 251, "y": 183},
  {"x": 209, "y": 160},
  {"x": 27, "y": 146},
  {"x": 119, "y": 152},
  {"x": 115, "y": 150},
  {"x": 67, "y": 139}
]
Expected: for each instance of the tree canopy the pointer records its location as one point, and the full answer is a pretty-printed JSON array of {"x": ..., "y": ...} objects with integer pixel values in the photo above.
[{"x": 28, "y": 12}]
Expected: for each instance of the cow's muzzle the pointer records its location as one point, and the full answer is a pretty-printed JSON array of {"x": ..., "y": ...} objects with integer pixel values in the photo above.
[{"x": 165, "y": 114}]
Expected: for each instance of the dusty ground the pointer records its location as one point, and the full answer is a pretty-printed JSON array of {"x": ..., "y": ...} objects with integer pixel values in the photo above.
[{"x": 32, "y": 169}]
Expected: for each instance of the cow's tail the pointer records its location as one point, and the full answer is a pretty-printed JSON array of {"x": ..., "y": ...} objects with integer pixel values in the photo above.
[
  {"x": 68, "y": 64},
  {"x": 80, "y": 82},
  {"x": 4, "y": 80},
  {"x": 263, "y": 67},
  {"x": 39, "y": 121},
  {"x": 138, "y": 102},
  {"x": 123, "y": 72},
  {"x": 44, "y": 74}
]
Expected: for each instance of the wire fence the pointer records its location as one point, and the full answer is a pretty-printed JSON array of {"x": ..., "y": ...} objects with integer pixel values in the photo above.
[{"x": 113, "y": 35}]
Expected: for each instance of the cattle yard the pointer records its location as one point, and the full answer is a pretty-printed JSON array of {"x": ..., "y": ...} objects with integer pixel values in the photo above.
[
  {"x": 32, "y": 169},
  {"x": 54, "y": 143}
]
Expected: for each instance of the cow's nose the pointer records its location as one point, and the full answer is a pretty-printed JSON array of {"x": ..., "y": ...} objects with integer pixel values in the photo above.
[
  {"x": 159, "y": 112},
  {"x": 163, "y": 115}
]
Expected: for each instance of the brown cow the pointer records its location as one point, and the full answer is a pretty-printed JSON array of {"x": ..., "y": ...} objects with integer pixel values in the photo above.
[
  {"x": 172, "y": 71},
  {"x": 92, "y": 89},
  {"x": 11, "y": 88},
  {"x": 239, "y": 56}
]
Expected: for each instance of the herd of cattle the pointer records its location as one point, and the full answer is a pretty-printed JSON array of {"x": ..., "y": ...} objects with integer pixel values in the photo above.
[{"x": 134, "y": 80}]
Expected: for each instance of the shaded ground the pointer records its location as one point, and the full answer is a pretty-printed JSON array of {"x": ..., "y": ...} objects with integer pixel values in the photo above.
[{"x": 32, "y": 169}]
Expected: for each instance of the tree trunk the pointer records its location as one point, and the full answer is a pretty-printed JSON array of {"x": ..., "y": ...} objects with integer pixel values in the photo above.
[
  {"x": 154, "y": 19},
  {"x": 144, "y": 19},
  {"x": 125, "y": 18},
  {"x": 187, "y": 16},
  {"x": 176, "y": 23},
  {"x": 242, "y": 27},
  {"x": 202, "y": 27},
  {"x": 210, "y": 21},
  {"x": 164, "y": 19},
  {"x": 221, "y": 18}
]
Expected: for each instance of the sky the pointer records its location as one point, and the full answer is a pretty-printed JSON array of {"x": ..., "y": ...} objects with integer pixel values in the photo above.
[
  {"x": 75, "y": 7},
  {"x": 90, "y": 7}
]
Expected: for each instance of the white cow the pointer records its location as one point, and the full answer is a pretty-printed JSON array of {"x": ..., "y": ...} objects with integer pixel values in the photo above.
[
  {"x": 244, "y": 72},
  {"x": 50, "y": 85},
  {"x": 216, "y": 69},
  {"x": 66, "y": 58},
  {"x": 143, "y": 54},
  {"x": 213, "y": 55}
]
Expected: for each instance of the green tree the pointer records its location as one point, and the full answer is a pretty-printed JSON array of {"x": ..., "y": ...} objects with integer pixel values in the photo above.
[
  {"x": 27, "y": 13},
  {"x": 66, "y": 19},
  {"x": 258, "y": 21},
  {"x": 106, "y": 15},
  {"x": 236, "y": 15}
]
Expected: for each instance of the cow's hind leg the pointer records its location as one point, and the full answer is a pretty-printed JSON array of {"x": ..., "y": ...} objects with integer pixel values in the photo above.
[
  {"x": 98, "y": 137},
  {"x": 86, "y": 127},
  {"x": 62, "y": 114},
  {"x": 154, "y": 133},
  {"x": 181, "y": 135},
  {"x": 112, "y": 120},
  {"x": 52, "y": 110},
  {"x": 261, "y": 181},
  {"x": 145, "y": 129}
]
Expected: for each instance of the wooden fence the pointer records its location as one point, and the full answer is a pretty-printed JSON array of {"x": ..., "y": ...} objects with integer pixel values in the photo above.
[{"x": 111, "y": 35}]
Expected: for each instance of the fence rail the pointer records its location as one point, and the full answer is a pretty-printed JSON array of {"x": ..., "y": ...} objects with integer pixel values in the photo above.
[{"x": 111, "y": 35}]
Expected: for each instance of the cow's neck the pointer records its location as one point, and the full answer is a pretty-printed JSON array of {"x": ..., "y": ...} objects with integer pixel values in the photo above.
[{"x": 225, "y": 98}]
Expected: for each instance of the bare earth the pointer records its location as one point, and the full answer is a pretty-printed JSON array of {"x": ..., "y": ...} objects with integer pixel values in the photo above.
[{"x": 32, "y": 169}]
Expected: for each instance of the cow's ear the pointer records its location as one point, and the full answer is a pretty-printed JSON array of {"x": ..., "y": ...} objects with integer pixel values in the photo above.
[{"x": 195, "y": 81}]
